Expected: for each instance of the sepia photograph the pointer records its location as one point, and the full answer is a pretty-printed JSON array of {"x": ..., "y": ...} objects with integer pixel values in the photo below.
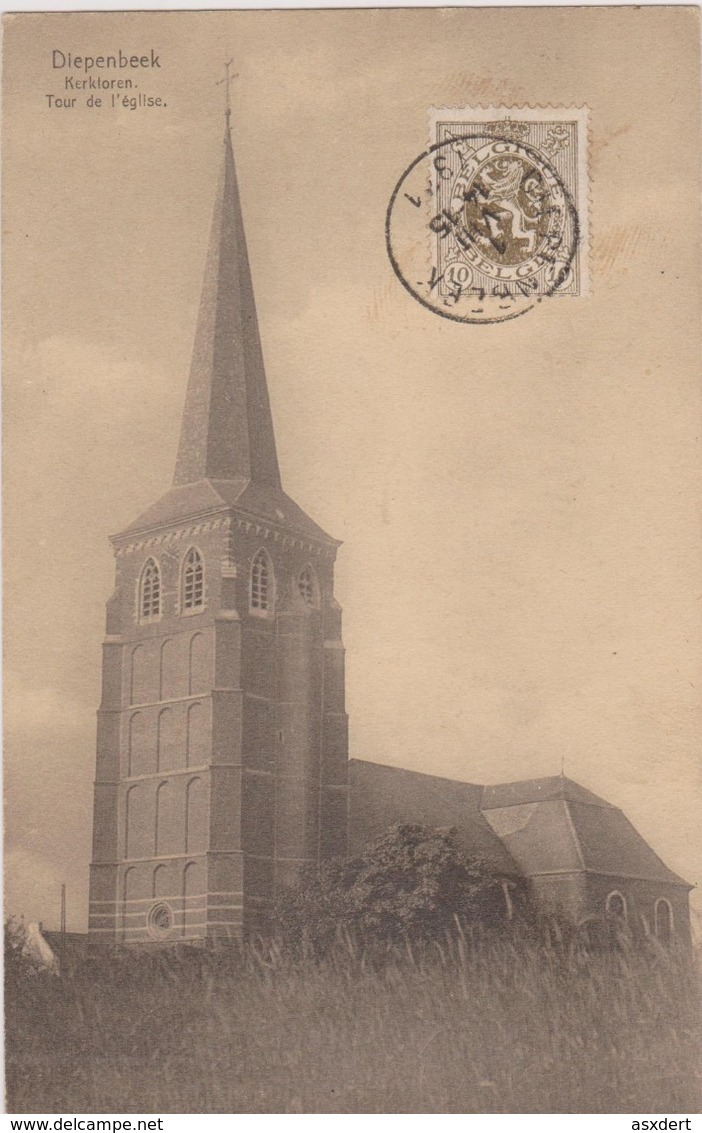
[{"x": 352, "y": 563}]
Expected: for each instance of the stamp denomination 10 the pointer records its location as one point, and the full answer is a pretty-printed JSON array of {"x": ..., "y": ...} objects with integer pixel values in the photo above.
[{"x": 484, "y": 224}]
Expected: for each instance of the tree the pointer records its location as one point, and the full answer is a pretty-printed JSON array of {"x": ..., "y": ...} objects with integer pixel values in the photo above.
[{"x": 413, "y": 884}]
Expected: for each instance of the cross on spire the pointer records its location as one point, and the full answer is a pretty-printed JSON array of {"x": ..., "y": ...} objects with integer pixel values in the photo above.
[{"x": 227, "y": 81}]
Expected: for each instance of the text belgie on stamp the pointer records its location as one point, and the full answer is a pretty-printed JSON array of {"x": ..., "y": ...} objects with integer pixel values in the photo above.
[{"x": 501, "y": 195}]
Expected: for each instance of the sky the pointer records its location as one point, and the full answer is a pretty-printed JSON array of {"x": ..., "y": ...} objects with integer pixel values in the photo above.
[{"x": 520, "y": 569}]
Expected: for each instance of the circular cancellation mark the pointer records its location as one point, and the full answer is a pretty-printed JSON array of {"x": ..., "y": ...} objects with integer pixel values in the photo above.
[{"x": 481, "y": 230}]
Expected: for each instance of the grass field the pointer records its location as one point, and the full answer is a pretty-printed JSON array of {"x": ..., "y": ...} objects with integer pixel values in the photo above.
[{"x": 506, "y": 1027}]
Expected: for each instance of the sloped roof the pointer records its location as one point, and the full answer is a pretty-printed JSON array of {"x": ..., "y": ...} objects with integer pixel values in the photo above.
[
  {"x": 539, "y": 836},
  {"x": 227, "y": 429},
  {"x": 189, "y": 501},
  {"x": 607, "y": 836},
  {"x": 556, "y": 826},
  {"x": 539, "y": 790},
  {"x": 381, "y": 796},
  {"x": 227, "y": 453}
]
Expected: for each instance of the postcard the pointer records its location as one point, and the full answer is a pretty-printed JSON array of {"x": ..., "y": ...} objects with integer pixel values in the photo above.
[{"x": 352, "y": 565}]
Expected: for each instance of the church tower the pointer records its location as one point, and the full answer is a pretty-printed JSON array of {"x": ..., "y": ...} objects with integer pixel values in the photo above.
[{"x": 222, "y": 733}]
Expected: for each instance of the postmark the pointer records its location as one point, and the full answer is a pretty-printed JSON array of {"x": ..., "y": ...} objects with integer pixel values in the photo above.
[{"x": 492, "y": 218}]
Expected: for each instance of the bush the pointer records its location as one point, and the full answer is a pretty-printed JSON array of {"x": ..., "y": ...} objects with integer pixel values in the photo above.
[
  {"x": 414, "y": 884},
  {"x": 18, "y": 960}
]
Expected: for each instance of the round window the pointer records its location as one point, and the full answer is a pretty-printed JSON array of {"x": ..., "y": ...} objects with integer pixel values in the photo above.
[{"x": 160, "y": 920}]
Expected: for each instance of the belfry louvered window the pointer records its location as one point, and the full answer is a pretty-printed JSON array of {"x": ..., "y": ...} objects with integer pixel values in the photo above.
[
  {"x": 663, "y": 920},
  {"x": 261, "y": 582},
  {"x": 307, "y": 585},
  {"x": 150, "y": 591},
  {"x": 193, "y": 581}
]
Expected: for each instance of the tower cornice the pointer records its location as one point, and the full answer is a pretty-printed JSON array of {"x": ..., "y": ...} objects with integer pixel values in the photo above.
[{"x": 224, "y": 519}]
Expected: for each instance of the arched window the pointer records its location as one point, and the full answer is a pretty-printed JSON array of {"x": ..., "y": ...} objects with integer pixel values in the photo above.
[
  {"x": 262, "y": 582},
  {"x": 663, "y": 920},
  {"x": 132, "y": 832},
  {"x": 193, "y": 581},
  {"x": 169, "y": 741},
  {"x": 199, "y": 664},
  {"x": 195, "y": 817},
  {"x": 140, "y": 751},
  {"x": 150, "y": 592},
  {"x": 171, "y": 675},
  {"x": 193, "y": 897},
  {"x": 308, "y": 587},
  {"x": 129, "y": 892},
  {"x": 195, "y": 736},
  {"x": 159, "y": 882},
  {"x": 616, "y": 906},
  {"x": 170, "y": 821}
]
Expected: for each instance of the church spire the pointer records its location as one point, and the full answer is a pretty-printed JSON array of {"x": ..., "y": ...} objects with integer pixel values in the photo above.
[{"x": 227, "y": 429}]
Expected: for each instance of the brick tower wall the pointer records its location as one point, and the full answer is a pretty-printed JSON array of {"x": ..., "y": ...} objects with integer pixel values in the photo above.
[{"x": 221, "y": 738}]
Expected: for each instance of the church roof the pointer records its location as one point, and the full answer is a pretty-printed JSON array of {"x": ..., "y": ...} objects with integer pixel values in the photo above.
[
  {"x": 227, "y": 428},
  {"x": 190, "y": 501},
  {"x": 556, "y": 826},
  {"x": 227, "y": 454},
  {"x": 381, "y": 796},
  {"x": 532, "y": 827},
  {"x": 538, "y": 790}
]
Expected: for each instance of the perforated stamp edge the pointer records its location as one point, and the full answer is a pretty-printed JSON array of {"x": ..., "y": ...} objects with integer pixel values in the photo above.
[{"x": 576, "y": 179}]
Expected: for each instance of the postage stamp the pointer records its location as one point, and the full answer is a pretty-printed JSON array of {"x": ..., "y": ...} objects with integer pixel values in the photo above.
[{"x": 501, "y": 195}]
